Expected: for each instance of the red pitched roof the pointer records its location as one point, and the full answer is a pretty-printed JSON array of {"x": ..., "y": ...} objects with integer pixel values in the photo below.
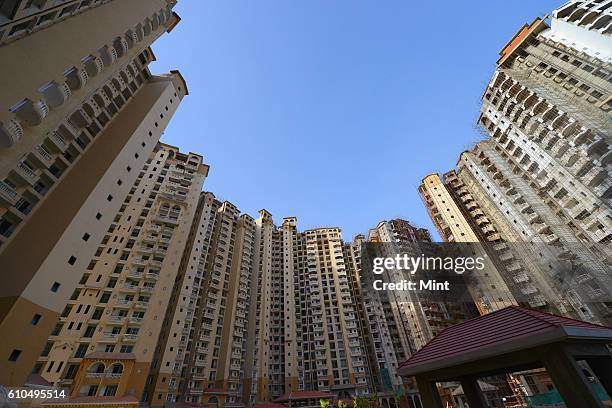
[
  {"x": 505, "y": 330},
  {"x": 297, "y": 395}
]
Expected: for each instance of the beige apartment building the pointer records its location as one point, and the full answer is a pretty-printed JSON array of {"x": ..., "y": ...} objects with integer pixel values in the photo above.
[
  {"x": 258, "y": 311},
  {"x": 543, "y": 175},
  {"x": 80, "y": 115},
  {"x": 114, "y": 317},
  {"x": 201, "y": 351},
  {"x": 488, "y": 288}
]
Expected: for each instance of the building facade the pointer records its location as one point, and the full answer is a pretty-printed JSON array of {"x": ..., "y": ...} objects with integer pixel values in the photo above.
[
  {"x": 396, "y": 323},
  {"x": 80, "y": 116},
  {"x": 543, "y": 175},
  {"x": 115, "y": 314},
  {"x": 272, "y": 313}
]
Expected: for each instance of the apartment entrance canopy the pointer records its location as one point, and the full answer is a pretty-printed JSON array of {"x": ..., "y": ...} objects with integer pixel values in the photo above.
[{"x": 511, "y": 340}]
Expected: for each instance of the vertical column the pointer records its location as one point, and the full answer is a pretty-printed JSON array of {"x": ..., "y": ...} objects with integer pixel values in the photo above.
[
  {"x": 472, "y": 392},
  {"x": 569, "y": 380},
  {"x": 429, "y": 393}
]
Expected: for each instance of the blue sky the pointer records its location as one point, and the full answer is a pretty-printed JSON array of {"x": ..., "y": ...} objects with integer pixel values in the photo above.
[{"x": 333, "y": 111}]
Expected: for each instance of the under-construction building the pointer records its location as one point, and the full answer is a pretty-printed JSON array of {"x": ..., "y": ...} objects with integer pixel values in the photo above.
[{"x": 542, "y": 176}]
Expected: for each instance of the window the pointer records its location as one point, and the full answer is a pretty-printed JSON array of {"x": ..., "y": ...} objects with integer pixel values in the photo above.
[
  {"x": 110, "y": 390},
  {"x": 36, "y": 319},
  {"x": 80, "y": 352},
  {"x": 71, "y": 372},
  {"x": 98, "y": 216},
  {"x": 86, "y": 237},
  {"x": 89, "y": 332},
  {"x": 126, "y": 349},
  {"x": 71, "y": 260},
  {"x": 14, "y": 355},
  {"x": 109, "y": 198},
  {"x": 55, "y": 287}
]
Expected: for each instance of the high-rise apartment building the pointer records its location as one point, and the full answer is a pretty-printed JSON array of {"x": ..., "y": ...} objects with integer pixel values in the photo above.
[
  {"x": 396, "y": 323},
  {"x": 258, "y": 311},
  {"x": 80, "y": 114},
  {"x": 201, "y": 352},
  {"x": 115, "y": 316},
  {"x": 543, "y": 175},
  {"x": 488, "y": 288}
]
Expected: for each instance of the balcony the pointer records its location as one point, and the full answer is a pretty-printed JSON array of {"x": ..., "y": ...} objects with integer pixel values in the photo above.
[
  {"x": 154, "y": 262},
  {"x": 139, "y": 261},
  {"x": 167, "y": 220},
  {"x": 80, "y": 118},
  {"x": 146, "y": 289},
  {"x": 154, "y": 228},
  {"x": 110, "y": 337},
  {"x": 10, "y": 133},
  {"x": 114, "y": 376},
  {"x": 76, "y": 78},
  {"x": 31, "y": 113},
  {"x": 26, "y": 174},
  {"x": 529, "y": 290},
  {"x": 116, "y": 319},
  {"x": 130, "y": 337},
  {"x": 109, "y": 55},
  {"x": 94, "y": 375},
  {"x": 56, "y": 94},
  {"x": 58, "y": 141},
  {"x": 152, "y": 276},
  {"x": 172, "y": 195},
  {"x": 8, "y": 195},
  {"x": 521, "y": 278}
]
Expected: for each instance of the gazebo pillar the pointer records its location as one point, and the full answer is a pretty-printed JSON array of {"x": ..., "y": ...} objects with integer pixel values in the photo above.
[
  {"x": 602, "y": 367},
  {"x": 430, "y": 397},
  {"x": 569, "y": 380},
  {"x": 472, "y": 393}
]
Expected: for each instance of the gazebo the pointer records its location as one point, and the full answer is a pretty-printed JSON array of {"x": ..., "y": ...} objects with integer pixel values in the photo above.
[
  {"x": 304, "y": 399},
  {"x": 511, "y": 340}
]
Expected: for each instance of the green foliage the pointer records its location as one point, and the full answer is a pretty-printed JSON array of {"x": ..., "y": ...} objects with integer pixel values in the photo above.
[
  {"x": 325, "y": 403},
  {"x": 360, "y": 402}
]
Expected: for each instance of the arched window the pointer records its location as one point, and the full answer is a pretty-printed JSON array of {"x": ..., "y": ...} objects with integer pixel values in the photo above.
[
  {"x": 97, "y": 368},
  {"x": 116, "y": 368}
]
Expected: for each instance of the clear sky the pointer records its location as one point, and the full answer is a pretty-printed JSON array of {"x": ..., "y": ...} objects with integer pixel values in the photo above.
[{"x": 333, "y": 111}]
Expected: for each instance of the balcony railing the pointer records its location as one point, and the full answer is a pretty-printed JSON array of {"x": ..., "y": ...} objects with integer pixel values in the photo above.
[{"x": 8, "y": 194}]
